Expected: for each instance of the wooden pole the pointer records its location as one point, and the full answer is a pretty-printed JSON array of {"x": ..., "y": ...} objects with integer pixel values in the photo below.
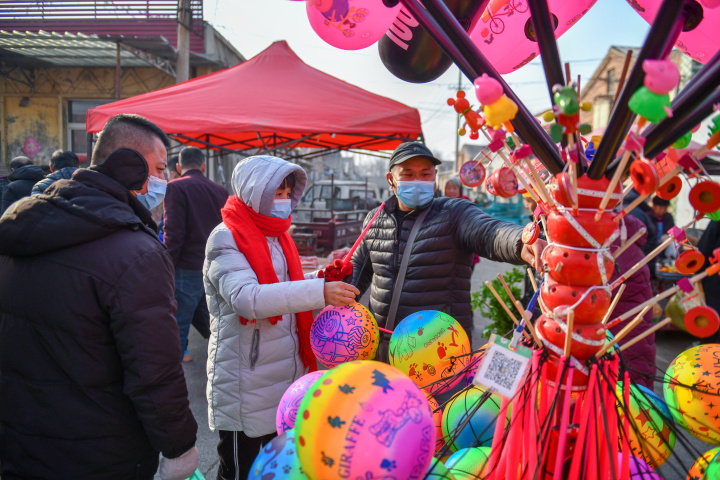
[
  {"x": 502, "y": 304},
  {"x": 614, "y": 181},
  {"x": 614, "y": 303},
  {"x": 628, "y": 328},
  {"x": 629, "y": 242},
  {"x": 568, "y": 333},
  {"x": 647, "y": 332},
  {"x": 528, "y": 322}
]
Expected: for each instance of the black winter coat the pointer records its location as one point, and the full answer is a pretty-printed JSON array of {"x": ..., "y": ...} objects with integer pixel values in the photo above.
[
  {"x": 91, "y": 383},
  {"x": 22, "y": 181},
  {"x": 440, "y": 265}
]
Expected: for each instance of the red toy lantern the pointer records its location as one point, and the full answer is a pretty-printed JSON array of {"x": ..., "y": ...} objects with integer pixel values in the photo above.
[
  {"x": 578, "y": 267},
  {"x": 705, "y": 197},
  {"x": 561, "y": 230},
  {"x": 590, "y": 310},
  {"x": 644, "y": 177}
]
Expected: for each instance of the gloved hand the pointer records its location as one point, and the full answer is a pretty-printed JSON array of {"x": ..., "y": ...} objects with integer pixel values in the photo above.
[
  {"x": 179, "y": 468},
  {"x": 337, "y": 271}
]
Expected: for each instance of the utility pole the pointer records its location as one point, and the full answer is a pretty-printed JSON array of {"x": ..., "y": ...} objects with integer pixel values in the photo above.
[
  {"x": 457, "y": 127},
  {"x": 182, "y": 69}
]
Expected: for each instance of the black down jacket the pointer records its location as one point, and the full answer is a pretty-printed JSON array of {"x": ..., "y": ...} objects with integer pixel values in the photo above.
[
  {"x": 440, "y": 265},
  {"x": 22, "y": 181},
  {"x": 91, "y": 383}
]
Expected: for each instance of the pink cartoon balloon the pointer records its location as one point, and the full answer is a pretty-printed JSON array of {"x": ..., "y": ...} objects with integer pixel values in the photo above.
[
  {"x": 290, "y": 401},
  {"x": 700, "y": 43},
  {"x": 503, "y": 32},
  {"x": 351, "y": 24}
]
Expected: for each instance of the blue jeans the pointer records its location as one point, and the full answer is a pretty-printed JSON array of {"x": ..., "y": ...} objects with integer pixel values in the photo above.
[{"x": 189, "y": 292}]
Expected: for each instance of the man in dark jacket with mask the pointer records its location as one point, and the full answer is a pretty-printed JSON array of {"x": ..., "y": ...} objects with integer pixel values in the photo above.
[
  {"x": 440, "y": 263},
  {"x": 22, "y": 179},
  {"x": 91, "y": 385}
]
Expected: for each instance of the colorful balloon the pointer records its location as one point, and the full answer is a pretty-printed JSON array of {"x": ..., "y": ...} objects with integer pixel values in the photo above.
[
  {"x": 278, "y": 460},
  {"x": 713, "y": 469},
  {"x": 690, "y": 388},
  {"x": 478, "y": 431},
  {"x": 701, "y": 42},
  {"x": 504, "y": 31},
  {"x": 351, "y": 25},
  {"x": 365, "y": 419},
  {"x": 651, "y": 438},
  {"x": 343, "y": 334},
  {"x": 432, "y": 348},
  {"x": 701, "y": 464},
  {"x": 468, "y": 463},
  {"x": 291, "y": 399},
  {"x": 639, "y": 470}
]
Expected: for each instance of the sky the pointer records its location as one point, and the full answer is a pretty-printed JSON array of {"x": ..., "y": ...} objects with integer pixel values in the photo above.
[{"x": 252, "y": 25}]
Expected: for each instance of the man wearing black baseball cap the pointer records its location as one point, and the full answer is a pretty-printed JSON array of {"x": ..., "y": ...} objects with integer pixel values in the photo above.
[{"x": 436, "y": 273}]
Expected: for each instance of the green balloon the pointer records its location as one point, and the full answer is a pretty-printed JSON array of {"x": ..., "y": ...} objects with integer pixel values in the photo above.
[
  {"x": 468, "y": 463},
  {"x": 683, "y": 141},
  {"x": 438, "y": 471},
  {"x": 714, "y": 215}
]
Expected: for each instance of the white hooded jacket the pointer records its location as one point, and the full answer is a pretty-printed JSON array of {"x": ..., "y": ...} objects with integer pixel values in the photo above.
[{"x": 250, "y": 366}]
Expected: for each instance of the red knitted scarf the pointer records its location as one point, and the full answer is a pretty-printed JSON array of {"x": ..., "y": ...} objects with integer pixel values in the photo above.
[{"x": 249, "y": 230}]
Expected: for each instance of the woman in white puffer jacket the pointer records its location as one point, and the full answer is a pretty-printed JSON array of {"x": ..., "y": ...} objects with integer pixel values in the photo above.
[{"x": 259, "y": 303}]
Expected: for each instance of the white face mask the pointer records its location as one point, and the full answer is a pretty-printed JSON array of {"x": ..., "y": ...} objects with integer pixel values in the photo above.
[
  {"x": 155, "y": 193},
  {"x": 281, "y": 208}
]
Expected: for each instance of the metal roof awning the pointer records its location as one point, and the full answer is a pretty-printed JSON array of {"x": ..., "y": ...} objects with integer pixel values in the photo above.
[{"x": 52, "y": 49}]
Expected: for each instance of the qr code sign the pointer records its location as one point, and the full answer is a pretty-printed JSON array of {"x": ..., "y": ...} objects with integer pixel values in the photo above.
[{"x": 501, "y": 370}]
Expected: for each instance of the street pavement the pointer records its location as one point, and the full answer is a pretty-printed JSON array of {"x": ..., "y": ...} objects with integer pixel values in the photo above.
[{"x": 669, "y": 345}]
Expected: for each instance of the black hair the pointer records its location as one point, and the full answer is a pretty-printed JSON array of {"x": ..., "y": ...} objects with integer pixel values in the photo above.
[
  {"x": 63, "y": 158},
  {"x": 661, "y": 202},
  {"x": 191, "y": 157},
  {"x": 126, "y": 130},
  {"x": 288, "y": 182},
  {"x": 18, "y": 162}
]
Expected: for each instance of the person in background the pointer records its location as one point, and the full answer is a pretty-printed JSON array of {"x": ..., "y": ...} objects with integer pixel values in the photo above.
[
  {"x": 454, "y": 188},
  {"x": 62, "y": 165},
  {"x": 91, "y": 383},
  {"x": 663, "y": 219},
  {"x": 192, "y": 209},
  {"x": 23, "y": 177},
  {"x": 261, "y": 309},
  {"x": 171, "y": 173},
  {"x": 641, "y": 356}
]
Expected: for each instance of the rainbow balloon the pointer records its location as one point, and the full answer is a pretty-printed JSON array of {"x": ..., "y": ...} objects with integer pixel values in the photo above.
[
  {"x": 701, "y": 464},
  {"x": 344, "y": 334},
  {"x": 651, "y": 438},
  {"x": 478, "y": 431},
  {"x": 365, "y": 419},
  {"x": 290, "y": 401},
  {"x": 431, "y": 348}
]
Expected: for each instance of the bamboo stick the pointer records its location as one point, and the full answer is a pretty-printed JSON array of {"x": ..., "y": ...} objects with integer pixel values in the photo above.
[
  {"x": 532, "y": 279},
  {"x": 647, "y": 332},
  {"x": 629, "y": 242},
  {"x": 568, "y": 333},
  {"x": 648, "y": 258},
  {"x": 628, "y": 328},
  {"x": 528, "y": 323},
  {"x": 642, "y": 198},
  {"x": 502, "y": 304},
  {"x": 613, "y": 304},
  {"x": 614, "y": 181},
  {"x": 507, "y": 290}
]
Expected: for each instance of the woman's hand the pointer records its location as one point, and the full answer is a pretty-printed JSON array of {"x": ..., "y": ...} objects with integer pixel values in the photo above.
[{"x": 339, "y": 294}]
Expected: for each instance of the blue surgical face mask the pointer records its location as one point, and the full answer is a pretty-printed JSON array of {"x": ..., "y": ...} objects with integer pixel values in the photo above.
[
  {"x": 281, "y": 209},
  {"x": 155, "y": 193},
  {"x": 416, "y": 193}
]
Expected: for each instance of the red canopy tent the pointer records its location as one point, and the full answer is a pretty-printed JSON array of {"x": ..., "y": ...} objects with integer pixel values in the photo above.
[{"x": 272, "y": 101}]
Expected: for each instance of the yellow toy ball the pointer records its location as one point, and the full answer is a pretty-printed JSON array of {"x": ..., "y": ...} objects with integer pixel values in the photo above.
[
  {"x": 431, "y": 348},
  {"x": 701, "y": 464},
  {"x": 691, "y": 387}
]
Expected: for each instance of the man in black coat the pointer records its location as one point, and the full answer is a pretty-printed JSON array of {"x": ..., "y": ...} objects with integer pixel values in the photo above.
[
  {"x": 23, "y": 177},
  {"x": 91, "y": 385},
  {"x": 440, "y": 264}
]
